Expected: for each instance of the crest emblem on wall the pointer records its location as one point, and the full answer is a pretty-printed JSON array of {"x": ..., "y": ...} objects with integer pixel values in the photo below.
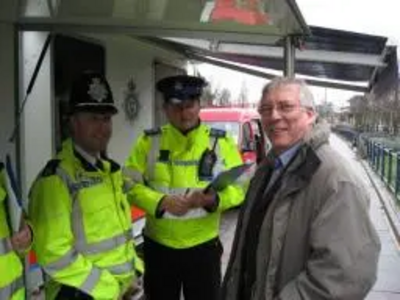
[{"x": 130, "y": 103}]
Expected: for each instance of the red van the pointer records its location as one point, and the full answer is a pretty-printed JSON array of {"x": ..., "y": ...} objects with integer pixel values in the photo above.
[{"x": 243, "y": 124}]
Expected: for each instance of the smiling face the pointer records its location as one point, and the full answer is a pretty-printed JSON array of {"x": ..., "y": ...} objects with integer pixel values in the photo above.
[
  {"x": 285, "y": 120},
  {"x": 92, "y": 131}
]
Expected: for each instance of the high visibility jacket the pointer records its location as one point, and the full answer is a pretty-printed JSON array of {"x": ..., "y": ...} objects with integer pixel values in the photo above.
[
  {"x": 82, "y": 226},
  {"x": 11, "y": 267},
  {"x": 164, "y": 161}
]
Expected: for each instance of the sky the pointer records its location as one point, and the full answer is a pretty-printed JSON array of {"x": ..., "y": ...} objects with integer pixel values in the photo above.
[{"x": 365, "y": 16}]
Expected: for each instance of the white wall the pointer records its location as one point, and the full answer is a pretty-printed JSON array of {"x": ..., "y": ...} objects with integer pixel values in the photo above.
[
  {"x": 8, "y": 10},
  {"x": 36, "y": 139},
  {"x": 125, "y": 59},
  {"x": 36, "y": 127},
  {"x": 7, "y": 89}
]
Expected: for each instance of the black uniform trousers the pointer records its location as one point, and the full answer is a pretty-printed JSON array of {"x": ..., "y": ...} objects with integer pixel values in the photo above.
[{"x": 196, "y": 271}]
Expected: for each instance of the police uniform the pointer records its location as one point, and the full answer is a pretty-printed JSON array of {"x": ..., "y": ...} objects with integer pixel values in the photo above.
[
  {"x": 11, "y": 274},
  {"x": 181, "y": 252},
  {"x": 81, "y": 215}
]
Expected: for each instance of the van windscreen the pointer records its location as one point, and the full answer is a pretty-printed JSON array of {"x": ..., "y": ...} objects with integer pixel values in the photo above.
[{"x": 232, "y": 128}]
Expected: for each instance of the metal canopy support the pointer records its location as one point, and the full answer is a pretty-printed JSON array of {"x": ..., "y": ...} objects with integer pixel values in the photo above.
[
  {"x": 259, "y": 50},
  {"x": 143, "y": 28},
  {"x": 269, "y": 76},
  {"x": 289, "y": 57},
  {"x": 192, "y": 53},
  {"x": 376, "y": 69}
]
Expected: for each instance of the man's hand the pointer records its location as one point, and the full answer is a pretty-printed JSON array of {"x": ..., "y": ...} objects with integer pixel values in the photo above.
[
  {"x": 23, "y": 239},
  {"x": 198, "y": 199},
  {"x": 134, "y": 291},
  {"x": 175, "y": 204}
]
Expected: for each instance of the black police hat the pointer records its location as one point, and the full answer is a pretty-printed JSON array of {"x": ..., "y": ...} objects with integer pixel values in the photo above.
[
  {"x": 177, "y": 89},
  {"x": 92, "y": 93}
]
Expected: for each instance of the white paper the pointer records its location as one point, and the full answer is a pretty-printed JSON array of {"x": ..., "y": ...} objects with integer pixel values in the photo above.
[{"x": 193, "y": 213}]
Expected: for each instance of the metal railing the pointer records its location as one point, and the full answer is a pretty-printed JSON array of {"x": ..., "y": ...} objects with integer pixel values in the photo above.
[
  {"x": 386, "y": 163},
  {"x": 383, "y": 159}
]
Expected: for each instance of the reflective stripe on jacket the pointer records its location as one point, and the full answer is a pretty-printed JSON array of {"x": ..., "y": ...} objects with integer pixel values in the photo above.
[
  {"x": 11, "y": 268},
  {"x": 154, "y": 176},
  {"x": 82, "y": 226}
]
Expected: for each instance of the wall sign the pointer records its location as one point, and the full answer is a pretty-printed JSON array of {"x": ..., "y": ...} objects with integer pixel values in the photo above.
[{"x": 131, "y": 105}]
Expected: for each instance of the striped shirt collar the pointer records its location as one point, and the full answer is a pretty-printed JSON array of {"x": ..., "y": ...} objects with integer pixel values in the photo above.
[
  {"x": 88, "y": 157},
  {"x": 284, "y": 158}
]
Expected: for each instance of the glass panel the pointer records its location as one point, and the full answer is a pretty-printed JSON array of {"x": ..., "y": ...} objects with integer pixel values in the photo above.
[
  {"x": 273, "y": 17},
  {"x": 36, "y": 8}
]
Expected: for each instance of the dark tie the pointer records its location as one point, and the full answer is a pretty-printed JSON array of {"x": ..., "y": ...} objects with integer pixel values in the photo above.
[
  {"x": 251, "y": 240},
  {"x": 99, "y": 164}
]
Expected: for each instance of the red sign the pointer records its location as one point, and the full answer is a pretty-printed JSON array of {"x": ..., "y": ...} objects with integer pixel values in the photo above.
[{"x": 247, "y": 12}]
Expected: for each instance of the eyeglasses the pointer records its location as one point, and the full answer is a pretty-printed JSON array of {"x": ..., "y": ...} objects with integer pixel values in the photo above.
[{"x": 282, "y": 108}]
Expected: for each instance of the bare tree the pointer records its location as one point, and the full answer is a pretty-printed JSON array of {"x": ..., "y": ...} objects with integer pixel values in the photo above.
[
  {"x": 242, "y": 98},
  {"x": 209, "y": 96},
  {"x": 224, "y": 97},
  {"x": 358, "y": 108},
  {"x": 213, "y": 95},
  {"x": 325, "y": 110},
  {"x": 216, "y": 96}
]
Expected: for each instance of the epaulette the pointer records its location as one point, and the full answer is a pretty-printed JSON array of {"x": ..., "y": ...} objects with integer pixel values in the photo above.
[
  {"x": 218, "y": 133},
  {"x": 50, "y": 168},
  {"x": 152, "y": 131}
]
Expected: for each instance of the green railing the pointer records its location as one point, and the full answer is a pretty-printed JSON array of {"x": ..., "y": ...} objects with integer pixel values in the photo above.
[
  {"x": 381, "y": 152},
  {"x": 386, "y": 163}
]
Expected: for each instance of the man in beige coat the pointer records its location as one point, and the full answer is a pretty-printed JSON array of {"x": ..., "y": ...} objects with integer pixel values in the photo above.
[{"x": 304, "y": 232}]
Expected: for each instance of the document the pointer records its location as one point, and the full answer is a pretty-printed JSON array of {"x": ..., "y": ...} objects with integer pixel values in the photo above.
[
  {"x": 226, "y": 178},
  {"x": 220, "y": 182}
]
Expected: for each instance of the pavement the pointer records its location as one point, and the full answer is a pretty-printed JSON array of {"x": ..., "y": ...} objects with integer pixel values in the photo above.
[
  {"x": 227, "y": 233},
  {"x": 385, "y": 216}
]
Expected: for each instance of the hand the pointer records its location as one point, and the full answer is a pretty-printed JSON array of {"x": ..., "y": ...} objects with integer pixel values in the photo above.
[
  {"x": 198, "y": 199},
  {"x": 133, "y": 290},
  {"x": 175, "y": 204},
  {"x": 23, "y": 239}
]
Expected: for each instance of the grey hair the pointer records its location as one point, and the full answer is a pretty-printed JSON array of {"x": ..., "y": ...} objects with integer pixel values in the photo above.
[{"x": 306, "y": 97}]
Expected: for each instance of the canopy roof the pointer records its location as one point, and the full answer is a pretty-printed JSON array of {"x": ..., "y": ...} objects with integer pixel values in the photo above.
[
  {"x": 265, "y": 21},
  {"x": 246, "y": 35},
  {"x": 325, "y": 54}
]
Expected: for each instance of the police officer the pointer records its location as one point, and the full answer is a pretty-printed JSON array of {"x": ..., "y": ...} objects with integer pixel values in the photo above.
[
  {"x": 12, "y": 247},
  {"x": 169, "y": 168},
  {"x": 82, "y": 217}
]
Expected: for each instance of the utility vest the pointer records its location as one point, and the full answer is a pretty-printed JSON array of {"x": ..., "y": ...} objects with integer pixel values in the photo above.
[
  {"x": 101, "y": 248},
  {"x": 171, "y": 167},
  {"x": 11, "y": 267}
]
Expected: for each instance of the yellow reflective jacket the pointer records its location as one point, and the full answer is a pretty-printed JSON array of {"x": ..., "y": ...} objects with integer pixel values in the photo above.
[
  {"x": 164, "y": 161},
  {"x": 11, "y": 267},
  {"x": 82, "y": 226}
]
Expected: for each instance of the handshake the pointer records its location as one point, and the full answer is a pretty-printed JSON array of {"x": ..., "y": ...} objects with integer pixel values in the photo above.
[{"x": 179, "y": 205}]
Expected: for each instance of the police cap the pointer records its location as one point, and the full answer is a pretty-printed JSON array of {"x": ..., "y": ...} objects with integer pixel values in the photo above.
[
  {"x": 91, "y": 93},
  {"x": 177, "y": 89}
]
